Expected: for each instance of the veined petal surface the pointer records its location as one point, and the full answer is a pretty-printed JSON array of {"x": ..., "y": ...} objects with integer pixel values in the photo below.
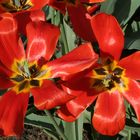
[
  {"x": 12, "y": 112},
  {"x": 108, "y": 34},
  {"x": 75, "y": 61},
  {"x": 42, "y": 40},
  {"x": 48, "y": 95}
]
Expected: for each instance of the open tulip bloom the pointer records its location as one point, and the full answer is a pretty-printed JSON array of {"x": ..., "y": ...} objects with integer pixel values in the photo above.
[
  {"x": 31, "y": 71},
  {"x": 79, "y": 13},
  {"x": 21, "y": 5},
  {"x": 109, "y": 81},
  {"x": 23, "y": 10}
]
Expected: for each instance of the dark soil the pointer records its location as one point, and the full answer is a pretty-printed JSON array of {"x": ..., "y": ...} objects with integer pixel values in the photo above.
[{"x": 34, "y": 133}]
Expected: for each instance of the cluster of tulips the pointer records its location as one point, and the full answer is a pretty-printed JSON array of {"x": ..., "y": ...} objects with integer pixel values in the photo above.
[{"x": 73, "y": 81}]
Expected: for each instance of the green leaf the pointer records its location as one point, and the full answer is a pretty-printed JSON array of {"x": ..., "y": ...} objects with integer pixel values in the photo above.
[
  {"x": 69, "y": 130},
  {"x": 79, "y": 128},
  {"x": 67, "y": 38},
  {"x": 74, "y": 130},
  {"x": 70, "y": 36},
  {"x": 122, "y": 10},
  {"x": 43, "y": 122},
  {"x": 132, "y": 43}
]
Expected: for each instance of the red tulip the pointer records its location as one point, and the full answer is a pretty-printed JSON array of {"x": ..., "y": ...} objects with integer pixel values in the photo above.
[
  {"x": 79, "y": 14},
  {"x": 24, "y": 11},
  {"x": 31, "y": 71},
  {"x": 109, "y": 81}
]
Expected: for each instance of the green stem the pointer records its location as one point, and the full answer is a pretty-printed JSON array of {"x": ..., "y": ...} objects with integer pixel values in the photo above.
[{"x": 56, "y": 125}]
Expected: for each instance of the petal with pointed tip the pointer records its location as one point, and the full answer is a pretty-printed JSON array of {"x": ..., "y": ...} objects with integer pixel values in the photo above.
[
  {"x": 42, "y": 40},
  {"x": 49, "y": 96},
  {"x": 12, "y": 112},
  {"x": 80, "y": 103},
  {"x": 133, "y": 96},
  {"x": 37, "y": 15},
  {"x": 38, "y": 4},
  {"x": 59, "y": 5},
  {"x": 64, "y": 114},
  {"x": 108, "y": 34},
  {"x": 75, "y": 61},
  {"x": 131, "y": 65},
  {"x": 109, "y": 115},
  {"x": 91, "y": 1},
  {"x": 8, "y": 33},
  {"x": 85, "y": 96},
  {"x": 22, "y": 19},
  {"x": 82, "y": 26}
]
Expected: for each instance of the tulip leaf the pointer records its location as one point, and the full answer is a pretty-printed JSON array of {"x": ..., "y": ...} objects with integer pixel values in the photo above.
[
  {"x": 67, "y": 37},
  {"x": 122, "y": 10},
  {"x": 43, "y": 122},
  {"x": 132, "y": 43},
  {"x": 74, "y": 130}
]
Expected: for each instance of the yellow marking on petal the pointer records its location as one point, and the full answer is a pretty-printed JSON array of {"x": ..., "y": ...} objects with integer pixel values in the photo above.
[
  {"x": 15, "y": 6},
  {"x": 17, "y": 66},
  {"x": 25, "y": 89},
  {"x": 45, "y": 73}
]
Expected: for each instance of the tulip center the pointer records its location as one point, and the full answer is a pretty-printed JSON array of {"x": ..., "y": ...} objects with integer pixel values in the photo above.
[
  {"x": 17, "y": 5},
  {"x": 109, "y": 77},
  {"x": 26, "y": 76}
]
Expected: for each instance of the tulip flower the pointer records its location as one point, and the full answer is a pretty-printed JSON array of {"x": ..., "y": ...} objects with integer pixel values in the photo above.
[
  {"x": 21, "y": 5},
  {"x": 23, "y": 10},
  {"x": 80, "y": 14},
  {"x": 29, "y": 71},
  {"x": 110, "y": 81}
]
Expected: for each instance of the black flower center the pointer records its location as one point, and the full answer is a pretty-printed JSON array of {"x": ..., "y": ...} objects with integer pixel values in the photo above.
[
  {"x": 109, "y": 76},
  {"x": 17, "y": 5},
  {"x": 27, "y": 76}
]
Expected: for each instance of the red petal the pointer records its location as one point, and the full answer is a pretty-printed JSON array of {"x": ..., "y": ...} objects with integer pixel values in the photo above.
[
  {"x": 9, "y": 40},
  {"x": 80, "y": 103},
  {"x": 4, "y": 77},
  {"x": 75, "y": 61},
  {"x": 59, "y": 5},
  {"x": 80, "y": 88},
  {"x": 109, "y": 115},
  {"x": 133, "y": 96},
  {"x": 42, "y": 40},
  {"x": 108, "y": 34},
  {"x": 5, "y": 82},
  {"x": 64, "y": 114},
  {"x": 12, "y": 112},
  {"x": 37, "y": 15},
  {"x": 38, "y": 4},
  {"x": 22, "y": 19},
  {"x": 131, "y": 64},
  {"x": 49, "y": 96},
  {"x": 91, "y": 1},
  {"x": 82, "y": 26}
]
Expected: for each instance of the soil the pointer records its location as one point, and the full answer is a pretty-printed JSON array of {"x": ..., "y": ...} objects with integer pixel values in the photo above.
[{"x": 34, "y": 133}]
